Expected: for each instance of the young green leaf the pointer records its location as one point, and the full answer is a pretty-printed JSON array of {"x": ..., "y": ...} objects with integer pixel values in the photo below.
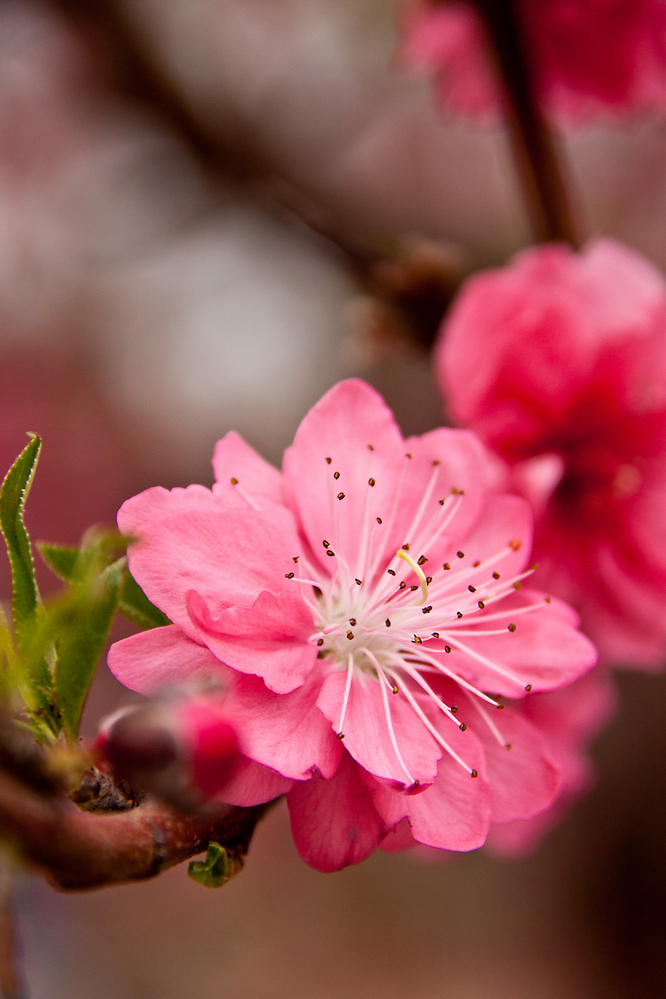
[
  {"x": 81, "y": 621},
  {"x": 133, "y": 602},
  {"x": 13, "y": 494},
  {"x": 219, "y": 867}
]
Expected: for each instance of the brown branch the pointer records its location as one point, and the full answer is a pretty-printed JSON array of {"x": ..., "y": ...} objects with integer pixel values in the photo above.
[
  {"x": 88, "y": 849},
  {"x": 538, "y": 162},
  {"x": 83, "y": 850}
]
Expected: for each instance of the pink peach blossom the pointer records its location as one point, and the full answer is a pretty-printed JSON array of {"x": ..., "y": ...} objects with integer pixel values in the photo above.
[
  {"x": 558, "y": 361},
  {"x": 587, "y": 56},
  {"x": 365, "y": 608}
]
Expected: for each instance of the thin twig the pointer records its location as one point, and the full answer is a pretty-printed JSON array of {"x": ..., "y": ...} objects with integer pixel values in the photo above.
[{"x": 538, "y": 162}]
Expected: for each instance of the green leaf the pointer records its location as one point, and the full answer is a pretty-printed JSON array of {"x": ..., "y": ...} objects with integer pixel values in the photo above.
[
  {"x": 60, "y": 558},
  {"x": 219, "y": 867},
  {"x": 133, "y": 602},
  {"x": 13, "y": 494},
  {"x": 81, "y": 620},
  {"x": 135, "y": 605}
]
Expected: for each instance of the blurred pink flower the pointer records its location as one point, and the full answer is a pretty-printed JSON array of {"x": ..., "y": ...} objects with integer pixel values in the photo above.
[
  {"x": 558, "y": 361},
  {"x": 588, "y": 56},
  {"x": 357, "y": 682}
]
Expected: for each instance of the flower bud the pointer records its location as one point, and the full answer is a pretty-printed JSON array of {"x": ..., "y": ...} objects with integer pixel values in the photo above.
[{"x": 182, "y": 749}]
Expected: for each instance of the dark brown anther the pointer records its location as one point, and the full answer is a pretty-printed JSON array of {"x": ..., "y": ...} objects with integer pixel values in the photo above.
[
  {"x": 341, "y": 496},
  {"x": 481, "y": 604},
  {"x": 336, "y": 475},
  {"x": 528, "y": 687},
  {"x": 320, "y": 642},
  {"x": 371, "y": 482},
  {"x": 379, "y": 520},
  {"x": 496, "y": 575},
  {"x": 426, "y": 610},
  {"x": 474, "y": 773},
  {"x": 421, "y": 560},
  {"x": 446, "y": 566},
  {"x": 350, "y": 635},
  {"x": 391, "y": 572},
  {"x": 387, "y": 622},
  {"x": 288, "y": 575},
  {"x": 463, "y": 727},
  {"x": 460, "y": 554},
  {"x": 405, "y": 547},
  {"x": 352, "y": 621},
  {"x": 358, "y": 582},
  {"x": 328, "y": 461},
  {"x": 233, "y": 480},
  {"x": 459, "y": 614},
  {"x": 447, "y": 648},
  {"x": 472, "y": 589},
  {"x": 512, "y": 627}
]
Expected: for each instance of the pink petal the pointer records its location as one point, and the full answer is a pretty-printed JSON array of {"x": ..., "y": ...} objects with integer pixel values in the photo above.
[
  {"x": 233, "y": 459},
  {"x": 454, "y": 812},
  {"x": 333, "y": 821},
  {"x": 287, "y": 732},
  {"x": 457, "y": 460},
  {"x": 227, "y": 555},
  {"x": 140, "y": 511},
  {"x": 524, "y": 780},
  {"x": 399, "y": 839},
  {"x": 252, "y": 784},
  {"x": 161, "y": 657},
  {"x": 268, "y": 639},
  {"x": 366, "y": 732},
  {"x": 353, "y": 427},
  {"x": 544, "y": 652}
]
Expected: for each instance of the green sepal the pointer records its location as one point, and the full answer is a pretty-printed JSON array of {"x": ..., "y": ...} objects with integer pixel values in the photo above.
[
  {"x": 133, "y": 602},
  {"x": 13, "y": 494},
  {"x": 219, "y": 867}
]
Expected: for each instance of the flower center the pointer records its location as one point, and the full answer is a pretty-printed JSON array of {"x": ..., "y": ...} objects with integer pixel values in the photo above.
[{"x": 404, "y": 629}]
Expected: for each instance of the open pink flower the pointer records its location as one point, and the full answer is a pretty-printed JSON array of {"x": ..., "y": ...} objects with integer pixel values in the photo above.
[
  {"x": 558, "y": 361},
  {"x": 587, "y": 56},
  {"x": 365, "y": 608}
]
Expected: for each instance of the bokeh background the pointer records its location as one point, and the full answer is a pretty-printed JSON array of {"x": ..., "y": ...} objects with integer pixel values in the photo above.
[{"x": 210, "y": 212}]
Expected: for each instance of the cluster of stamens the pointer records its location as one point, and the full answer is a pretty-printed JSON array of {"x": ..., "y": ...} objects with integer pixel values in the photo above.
[{"x": 402, "y": 627}]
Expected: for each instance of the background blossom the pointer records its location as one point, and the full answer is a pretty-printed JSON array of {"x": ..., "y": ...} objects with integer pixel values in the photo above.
[
  {"x": 558, "y": 361},
  {"x": 588, "y": 56}
]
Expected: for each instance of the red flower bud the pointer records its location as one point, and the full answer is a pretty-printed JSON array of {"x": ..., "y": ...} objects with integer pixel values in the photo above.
[{"x": 181, "y": 749}]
